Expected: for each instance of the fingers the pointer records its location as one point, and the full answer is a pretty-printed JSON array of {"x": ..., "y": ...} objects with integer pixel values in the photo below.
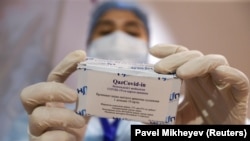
[
  {"x": 200, "y": 66},
  {"x": 170, "y": 63},
  {"x": 173, "y": 57},
  {"x": 186, "y": 63},
  {"x": 44, "y": 118},
  {"x": 239, "y": 82},
  {"x": 67, "y": 66},
  {"x": 47, "y": 121},
  {"x": 163, "y": 50},
  {"x": 40, "y": 93},
  {"x": 53, "y": 136}
]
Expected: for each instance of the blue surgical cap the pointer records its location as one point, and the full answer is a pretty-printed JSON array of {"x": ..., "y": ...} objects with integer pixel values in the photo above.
[{"x": 105, "y": 6}]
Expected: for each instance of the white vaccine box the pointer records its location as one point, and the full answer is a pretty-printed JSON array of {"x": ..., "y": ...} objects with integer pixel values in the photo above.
[{"x": 116, "y": 89}]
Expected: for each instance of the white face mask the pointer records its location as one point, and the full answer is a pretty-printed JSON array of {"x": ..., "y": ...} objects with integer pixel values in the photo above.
[{"x": 119, "y": 46}]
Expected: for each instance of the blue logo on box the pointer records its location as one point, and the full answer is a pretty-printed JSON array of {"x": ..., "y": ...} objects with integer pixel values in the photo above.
[
  {"x": 174, "y": 96},
  {"x": 82, "y": 90},
  {"x": 82, "y": 112},
  {"x": 170, "y": 119}
]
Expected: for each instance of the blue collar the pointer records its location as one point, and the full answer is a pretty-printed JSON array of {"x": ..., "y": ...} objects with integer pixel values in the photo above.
[{"x": 109, "y": 130}]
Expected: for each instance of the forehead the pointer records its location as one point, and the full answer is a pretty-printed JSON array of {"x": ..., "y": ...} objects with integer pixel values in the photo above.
[{"x": 120, "y": 16}]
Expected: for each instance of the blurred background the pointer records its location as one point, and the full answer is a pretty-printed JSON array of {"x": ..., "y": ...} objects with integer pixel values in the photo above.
[{"x": 36, "y": 34}]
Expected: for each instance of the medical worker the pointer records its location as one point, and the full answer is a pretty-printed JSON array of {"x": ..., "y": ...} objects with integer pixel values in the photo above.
[{"x": 214, "y": 92}]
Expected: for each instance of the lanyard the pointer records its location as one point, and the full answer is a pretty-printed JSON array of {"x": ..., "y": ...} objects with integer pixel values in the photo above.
[{"x": 109, "y": 130}]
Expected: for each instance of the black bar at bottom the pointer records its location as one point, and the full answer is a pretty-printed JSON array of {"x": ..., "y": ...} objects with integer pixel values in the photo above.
[{"x": 190, "y": 132}]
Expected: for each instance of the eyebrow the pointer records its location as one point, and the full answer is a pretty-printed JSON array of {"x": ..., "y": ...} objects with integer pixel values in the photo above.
[
  {"x": 134, "y": 24},
  {"x": 104, "y": 23}
]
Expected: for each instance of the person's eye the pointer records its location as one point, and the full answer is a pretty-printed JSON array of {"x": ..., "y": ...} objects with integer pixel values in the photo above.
[
  {"x": 135, "y": 34},
  {"x": 106, "y": 32}
]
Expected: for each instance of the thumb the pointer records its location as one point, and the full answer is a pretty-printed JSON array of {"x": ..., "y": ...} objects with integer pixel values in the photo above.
[
  {"x": 224, "y": 75},
  {"x": 67, "y": 66}
]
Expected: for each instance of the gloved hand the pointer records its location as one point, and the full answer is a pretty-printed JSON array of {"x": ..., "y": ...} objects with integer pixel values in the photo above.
[
  {"x": 214, "y": 92},
  {"x": 44, "y": 102}
]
